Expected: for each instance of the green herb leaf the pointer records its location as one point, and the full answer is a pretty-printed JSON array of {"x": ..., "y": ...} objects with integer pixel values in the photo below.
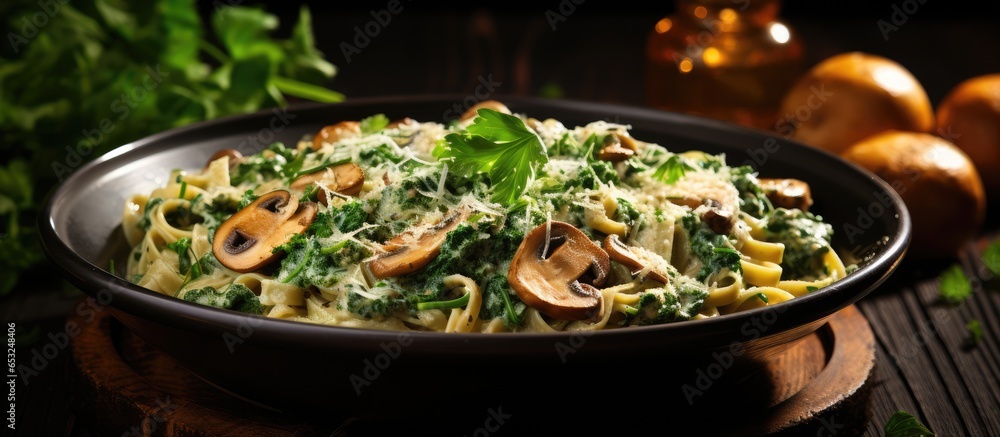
[
  {"x": 903, "y": 424},
  {"x": 244, "y": 32},
  {"x": 991, "y": 257},
  {"x": 127, "y": 70},
  {"x": 975, "y": 331},
  {"x": 762, "y": 297},
  {"x": 444, "y": 304},
  {"x": 305, "y": 90},
  {"x": 501, "y": 146},
  {"x": 672, "y": 170},
  {"x": 237, "y": 297},
  {"x": 322, "y": 166},
  {"x": 182, "y": 246},
  {"x": 247, "y": 198},
  {"x": 304, "y": 62},
  {"x": 374, "y": 124},
  {"x": 955, "y": 286},
  {"x": 144, "y": 223},
  {"x": 15, "y": 186}
]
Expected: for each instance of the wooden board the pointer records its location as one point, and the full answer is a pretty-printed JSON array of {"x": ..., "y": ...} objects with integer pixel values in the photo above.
[{"x": 124, "y": 385}]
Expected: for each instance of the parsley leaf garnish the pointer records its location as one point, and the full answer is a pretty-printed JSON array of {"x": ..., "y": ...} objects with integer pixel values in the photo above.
[
  {"x": 502, "y": 147},
  {"x": 374, "y": 124},
  {"x": 182, "y": 246},
  {"x": 955, "y": 286},
  {"x": 903, "y": 424},
  {"x": 975, "y": 331},
  {"x": 247, "y": 198},
  {"x": 991, "y": 257},
  {"x": 672, "y": 170},
  {"x": 762, "y": 297}
]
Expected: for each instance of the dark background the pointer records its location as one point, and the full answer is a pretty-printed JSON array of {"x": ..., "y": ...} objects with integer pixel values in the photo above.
[{"x": 597, "y": 53}]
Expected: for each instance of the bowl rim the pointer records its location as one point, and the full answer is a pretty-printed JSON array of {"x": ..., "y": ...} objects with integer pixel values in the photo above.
[{"x": 165, "y": 310}]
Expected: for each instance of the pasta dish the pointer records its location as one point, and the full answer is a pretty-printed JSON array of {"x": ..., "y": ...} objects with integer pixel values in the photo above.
[{"x": 496, "y": 222}]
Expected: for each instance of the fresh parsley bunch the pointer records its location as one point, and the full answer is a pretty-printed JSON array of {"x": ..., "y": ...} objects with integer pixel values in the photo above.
[{"x": 79, "y": 79}]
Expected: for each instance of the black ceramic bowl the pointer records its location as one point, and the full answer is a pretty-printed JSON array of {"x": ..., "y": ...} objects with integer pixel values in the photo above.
[{"x": 302, "y": 367}]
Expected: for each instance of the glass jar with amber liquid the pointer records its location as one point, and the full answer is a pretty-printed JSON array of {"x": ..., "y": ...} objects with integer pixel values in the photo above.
[{"x": 730, "y": 60}]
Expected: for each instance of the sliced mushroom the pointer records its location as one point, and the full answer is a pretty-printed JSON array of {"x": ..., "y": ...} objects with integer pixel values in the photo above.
[
  {"x": 535, "y": 124},
  {"x": 560, "y": 282},
  {"x": 617, "y": 147},
  {"x": 346, "y": 179},
  {"x": 488, "y": 104},
  {"x": 720, "y": 218},
  {"x": 404, "y": 130},
  {"x": 405, "y": 121},
  {"x": 336, "y": 132},
  {"x": 414, "y": 249},
  {"x": 233, "y": 154},
  {"x": 687, "y": 200},
  {"x": 625, "y": 256},
  {"x": 246, "y": 241},
  {"x": 787, "y": 193}
]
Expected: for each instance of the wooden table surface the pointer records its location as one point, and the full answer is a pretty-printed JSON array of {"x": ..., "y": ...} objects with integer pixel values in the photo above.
[{"x": 923, "y": 363}]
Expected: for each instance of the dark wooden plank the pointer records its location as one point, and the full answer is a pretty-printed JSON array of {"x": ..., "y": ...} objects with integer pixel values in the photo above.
[
  {"x": 902, "y": 335},
  {"x": 890, "y": 393},
  {"x": 944, "y": 321},
  {"x": 909, "y": 319},
  {"x": 984, "y": 305},
  {"x": 970, "y": 373},
  {"x": 980, "y": 362}
]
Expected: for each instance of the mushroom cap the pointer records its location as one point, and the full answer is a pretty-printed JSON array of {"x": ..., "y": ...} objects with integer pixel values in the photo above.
[
  {"x": 246, "y": 241},
  {"x": 336, "y": 132},
  {"x": 233, "y": 154},
  {"x": 346, "y": 179},
  {"x": 473, "y": 111},
  {"x": 624, "y": 255},
  {"x": 551, "y": 282},
  {"x": 407, "y": 253},
  {"x": 617, "y": 147},
  {"x": 787, "y": 193}
]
